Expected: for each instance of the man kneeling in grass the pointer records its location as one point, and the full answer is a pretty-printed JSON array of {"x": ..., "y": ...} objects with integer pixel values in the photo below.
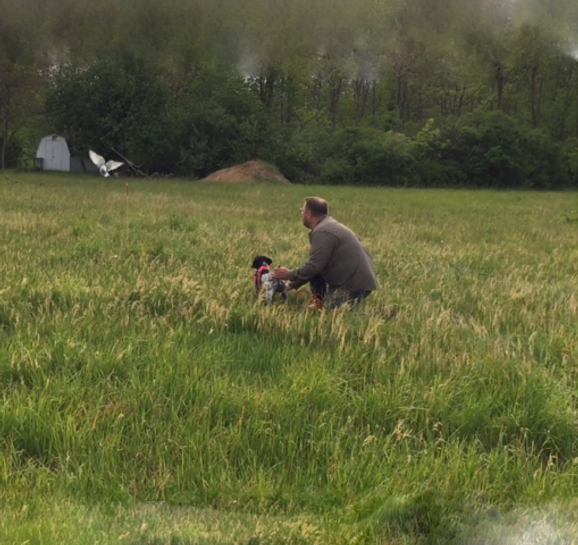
[{"x": 338, "y": 266}]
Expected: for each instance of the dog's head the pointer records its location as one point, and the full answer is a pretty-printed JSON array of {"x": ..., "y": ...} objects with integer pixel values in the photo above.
[{"x": 261, "y": 260}]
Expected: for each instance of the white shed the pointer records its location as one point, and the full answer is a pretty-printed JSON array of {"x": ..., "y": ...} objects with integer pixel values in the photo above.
[{"x": 54, "y": 152}]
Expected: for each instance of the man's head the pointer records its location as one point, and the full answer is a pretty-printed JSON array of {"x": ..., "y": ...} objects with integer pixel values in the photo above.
[{"x": 313, "y": 211}]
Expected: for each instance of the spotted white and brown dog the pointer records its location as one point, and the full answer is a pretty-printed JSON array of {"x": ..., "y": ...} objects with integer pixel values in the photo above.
[{"x": 265, "y": 282}]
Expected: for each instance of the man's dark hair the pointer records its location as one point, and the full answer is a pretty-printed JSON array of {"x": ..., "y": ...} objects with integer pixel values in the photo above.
[{"x": 317, "y": 206}]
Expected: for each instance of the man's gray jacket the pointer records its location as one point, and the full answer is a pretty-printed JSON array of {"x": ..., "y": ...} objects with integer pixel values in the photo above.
[{"x": 339, "y": 256}]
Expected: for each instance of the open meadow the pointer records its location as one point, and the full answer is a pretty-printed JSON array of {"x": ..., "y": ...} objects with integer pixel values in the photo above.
[{"x": 147, "y": 398}]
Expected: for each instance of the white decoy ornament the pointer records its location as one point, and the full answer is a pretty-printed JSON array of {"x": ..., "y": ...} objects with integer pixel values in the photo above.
[{"x": 105, "y": 168}]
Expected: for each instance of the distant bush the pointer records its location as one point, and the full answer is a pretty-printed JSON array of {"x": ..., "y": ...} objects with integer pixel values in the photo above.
[
  {"x": 366, "y": 156},
  {"x": 217, "y": 123},
  {"x": 490, "y": 149},
  {"x": 13, "y": 151},
  {"x": 571, "y": 156},
  {"x": 107, "y": 106},
  {"x": 212, "y": 140},
  {"x": 299, "y": 149},
  {"x": 434, "y": 168},
  {"x": 487, "y": 149}
]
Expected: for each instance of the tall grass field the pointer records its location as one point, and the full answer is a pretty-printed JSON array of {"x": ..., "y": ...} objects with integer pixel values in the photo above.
[{"x": 148, "y": 398}]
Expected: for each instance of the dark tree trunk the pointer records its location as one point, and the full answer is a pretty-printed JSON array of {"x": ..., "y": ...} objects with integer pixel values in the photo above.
[
  {"x": 4, "y": 141},
  {"x": 335, "y": 101},
  {"x": 360, "y": 95}
]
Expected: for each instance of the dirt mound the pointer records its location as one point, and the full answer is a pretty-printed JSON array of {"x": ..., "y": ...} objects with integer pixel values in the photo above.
[{"x": 251, "y": 172}]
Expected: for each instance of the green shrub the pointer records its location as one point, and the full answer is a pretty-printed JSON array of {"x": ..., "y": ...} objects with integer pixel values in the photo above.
[
  {"x": 13, "y": 151},
  {"x": 106, "y": 106},
  {"x": 365, "y": 156},
  {"x": 298, "y": 148},
  {"x": 490, "y": 149},
  {"x": 571, "y": 157},
  {"x": 428, "y": 148}
]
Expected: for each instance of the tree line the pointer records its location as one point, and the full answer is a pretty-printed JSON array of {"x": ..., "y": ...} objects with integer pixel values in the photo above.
[{"x": 373, "y": 92}]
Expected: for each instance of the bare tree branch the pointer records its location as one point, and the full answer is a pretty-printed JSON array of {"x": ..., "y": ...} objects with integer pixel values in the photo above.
[{"x": 134, "y": 167}]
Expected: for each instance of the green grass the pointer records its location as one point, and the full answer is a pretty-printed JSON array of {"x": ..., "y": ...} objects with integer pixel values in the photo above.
[{"x": 136, "y": 367}]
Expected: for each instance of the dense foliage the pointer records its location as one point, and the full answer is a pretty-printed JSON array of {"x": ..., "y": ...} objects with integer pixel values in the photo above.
[{"x": 401, "y": 93}]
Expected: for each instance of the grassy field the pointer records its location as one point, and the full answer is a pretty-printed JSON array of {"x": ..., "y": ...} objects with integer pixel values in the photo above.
[{"x": 148, "y": 399}]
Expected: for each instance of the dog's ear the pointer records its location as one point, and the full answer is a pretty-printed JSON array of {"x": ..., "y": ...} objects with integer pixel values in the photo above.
[{"x": 261, "y": 260}]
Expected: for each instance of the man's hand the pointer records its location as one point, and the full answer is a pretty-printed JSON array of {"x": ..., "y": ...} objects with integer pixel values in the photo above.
[{"x": 281, "y": 273}]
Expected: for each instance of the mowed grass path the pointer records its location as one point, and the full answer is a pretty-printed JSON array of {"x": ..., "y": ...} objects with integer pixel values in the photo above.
[{"x": 136, "y": 366}]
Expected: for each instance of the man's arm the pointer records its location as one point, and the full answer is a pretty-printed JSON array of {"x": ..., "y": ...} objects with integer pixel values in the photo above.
[{"x": 322, "y": 244}]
